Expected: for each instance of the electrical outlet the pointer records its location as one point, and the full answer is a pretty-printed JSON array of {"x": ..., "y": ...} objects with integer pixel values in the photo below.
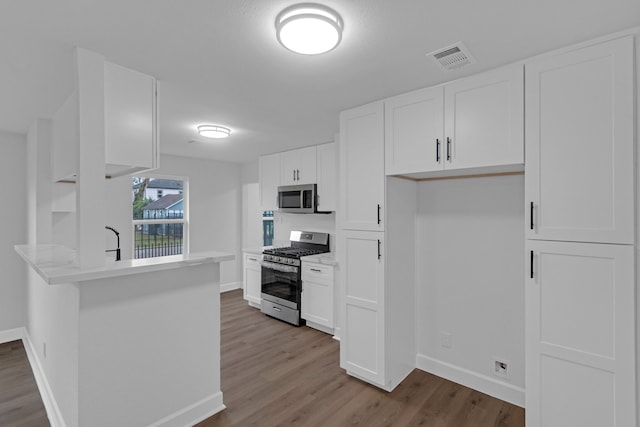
[
  {"x": 501, "y": 367},
  {"x": 445, "y": 339},
  {"x": 44, "y": 350}
]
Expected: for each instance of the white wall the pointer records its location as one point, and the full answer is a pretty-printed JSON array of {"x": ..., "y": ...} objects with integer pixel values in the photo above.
[
  {"x": 215, "y": 208},
  {"x": 283, "y": 223},
  {"x": 251, "y": 216},
  {"x": 470, "y": 276},
  {"x": 13, "y": 279}
]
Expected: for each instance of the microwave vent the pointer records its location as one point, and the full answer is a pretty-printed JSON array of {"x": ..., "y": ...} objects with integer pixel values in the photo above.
[{"x": 452, "y": 57}]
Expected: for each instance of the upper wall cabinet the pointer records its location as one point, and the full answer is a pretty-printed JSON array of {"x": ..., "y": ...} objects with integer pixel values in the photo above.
[
  {"x": 476, "y": 122},
  {"x": 414, "y": 131},
  {"x": 327, "y": 172},
  {"x": 362, "y": 167},
  {"x": 309, "y": 165},
  {"x": 130, "y": 121},
  {"x": 269, "y": 171},
  {"x": 580, "y": 146},
  {"x": 130, "y": 124},
  {"x": 298, "y": 166}
]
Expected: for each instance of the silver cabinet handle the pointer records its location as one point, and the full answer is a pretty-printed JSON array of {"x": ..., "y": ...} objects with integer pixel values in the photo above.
[
  {"x": 252, "y": 259},
  {"x": 316, "y": 270}
]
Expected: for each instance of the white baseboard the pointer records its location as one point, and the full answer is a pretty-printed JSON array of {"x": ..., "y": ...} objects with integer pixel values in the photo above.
[
  {"x": 193, "y": 414},
  {"x": 336, "y": 334},
  {"x": 226, "y": 287},
  {"x": 319, "y": 327},
  {"x": 11, "y": 335},
  {"x": 51, "y": 406},
  {"x": 482, "y": 383}
]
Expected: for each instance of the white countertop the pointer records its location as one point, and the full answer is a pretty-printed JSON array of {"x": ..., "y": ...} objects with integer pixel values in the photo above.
[
  {"x": 257, "y": 250},
  {"x": 328, "y": 258},
  {"x": 56, "y": 264}
]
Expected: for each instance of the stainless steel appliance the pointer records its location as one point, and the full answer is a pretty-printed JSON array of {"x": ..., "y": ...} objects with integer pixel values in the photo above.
[
  {"x": 281, "y": 275},
  {"x": 297, "y": 198}
]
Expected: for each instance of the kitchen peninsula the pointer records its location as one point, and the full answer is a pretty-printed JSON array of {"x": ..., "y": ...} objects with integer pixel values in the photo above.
[{"x": 134, "y": 342}]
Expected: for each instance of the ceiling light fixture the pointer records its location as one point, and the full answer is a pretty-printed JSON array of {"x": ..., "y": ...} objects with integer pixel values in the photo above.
[
  {"x": 214, "y": 131},
  {"x": 309, "y": 28}
]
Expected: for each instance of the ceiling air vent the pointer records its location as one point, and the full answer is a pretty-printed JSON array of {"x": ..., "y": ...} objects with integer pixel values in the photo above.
[{"x": 452, "y": 57}]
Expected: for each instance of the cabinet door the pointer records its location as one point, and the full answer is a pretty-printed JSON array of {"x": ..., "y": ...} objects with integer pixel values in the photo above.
[
  {"x": 362, "y": 167},
  {"x": 580, "y": 335},
  {"x": 414, "y": 126},
  {"x": 289, "y": 164},
  {"x": 306, "y": 169},
  {"x": 579, "y": 170},
  {"x": 484, "y": 119},
  {"x": 252, "y": 279},
  {"x": 269, "y": 170},
  {"x": 317, "y": 294},
  {"x": 327, "y": 171},
  {"x": 130, "y": 117},
  {"x": 362, "y": 285},
  {"x": 298, "y": 166}
]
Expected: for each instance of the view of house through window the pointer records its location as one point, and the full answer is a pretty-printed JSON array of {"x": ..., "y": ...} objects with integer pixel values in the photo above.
[{"x": 159, "y": 220}]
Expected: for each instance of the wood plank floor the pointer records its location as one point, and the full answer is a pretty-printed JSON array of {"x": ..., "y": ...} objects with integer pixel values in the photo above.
[
  {"x": 20, "y": 402},
  {"x": 274, "y": 374}
]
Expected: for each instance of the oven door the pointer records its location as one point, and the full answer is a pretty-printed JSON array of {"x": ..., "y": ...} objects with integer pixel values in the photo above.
[{"x": 281, "y": 284}]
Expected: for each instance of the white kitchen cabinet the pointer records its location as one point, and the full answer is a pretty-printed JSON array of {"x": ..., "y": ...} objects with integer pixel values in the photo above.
[
  {"x": 327, "y": 172},
  {"x": 269, "y": 171},
  {"x": 580, "y": 335},
  {"x": 484, "y": 119},
  {"x": 130, "y": 125},
  {"x": 475, "y": 122},
  {"x": 298, "y": 166},
  {"x": 363, "y": 341},
  {"x": 252, "y": 279},
  {"x": 580, "y": 145},
  {"x": 414, "y": 131},
  {"x": 318, "y": 299},
  {"x": 362, "y": 167},
  {"x": 579, "y": 192},
  {"x": 377, "y": 316},
  {"x": 130, "y": 121}
]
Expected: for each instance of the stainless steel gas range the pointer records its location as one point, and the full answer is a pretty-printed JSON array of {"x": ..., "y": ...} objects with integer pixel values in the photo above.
[{"x": 281, "y": 275}]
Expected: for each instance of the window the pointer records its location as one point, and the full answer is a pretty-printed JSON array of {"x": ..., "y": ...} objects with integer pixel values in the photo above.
[{"x": 159, "y": 216}]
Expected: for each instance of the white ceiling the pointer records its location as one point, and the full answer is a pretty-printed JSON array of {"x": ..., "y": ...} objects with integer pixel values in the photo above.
[{"x": 218, "y": 61}]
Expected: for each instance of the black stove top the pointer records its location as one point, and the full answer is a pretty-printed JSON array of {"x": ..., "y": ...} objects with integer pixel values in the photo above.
[{"x": 291, "y": 252}]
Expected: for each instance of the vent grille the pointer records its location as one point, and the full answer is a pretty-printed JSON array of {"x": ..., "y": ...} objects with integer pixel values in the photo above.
[{"x": 452, "y": 57}]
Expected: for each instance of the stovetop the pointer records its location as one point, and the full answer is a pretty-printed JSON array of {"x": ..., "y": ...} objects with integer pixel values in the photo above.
[{"x": 291, "y": 252}]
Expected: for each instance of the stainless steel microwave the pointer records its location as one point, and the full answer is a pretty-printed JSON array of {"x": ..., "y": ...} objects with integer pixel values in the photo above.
[{"x": 297, "y": 198}]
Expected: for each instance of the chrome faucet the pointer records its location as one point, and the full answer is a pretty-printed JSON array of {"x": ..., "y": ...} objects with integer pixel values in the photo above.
[{"x": 117, "y": 250}]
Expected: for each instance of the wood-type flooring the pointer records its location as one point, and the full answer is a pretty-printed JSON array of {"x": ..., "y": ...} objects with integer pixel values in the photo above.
[
  {"x": 20, "y": 402},
  {"x": 274, "y": 374}
]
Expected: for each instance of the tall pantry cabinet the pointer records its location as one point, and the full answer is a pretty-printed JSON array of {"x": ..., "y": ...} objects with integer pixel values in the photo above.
[
  {"x": 376, "y": 255},
  {"x": 579, "y": 191}
]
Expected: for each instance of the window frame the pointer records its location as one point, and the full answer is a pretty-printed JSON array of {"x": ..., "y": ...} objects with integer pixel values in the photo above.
[{"x": 185, "y": 217}]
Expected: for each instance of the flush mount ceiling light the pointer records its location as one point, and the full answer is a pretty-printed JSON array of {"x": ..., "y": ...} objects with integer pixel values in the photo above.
[
  {"x": 214, "y": 131},
  {"x": 309, "y": 28}
]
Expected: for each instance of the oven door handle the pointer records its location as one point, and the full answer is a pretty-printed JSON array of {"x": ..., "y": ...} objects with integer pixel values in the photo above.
[{"x": 280, "y": 267}]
